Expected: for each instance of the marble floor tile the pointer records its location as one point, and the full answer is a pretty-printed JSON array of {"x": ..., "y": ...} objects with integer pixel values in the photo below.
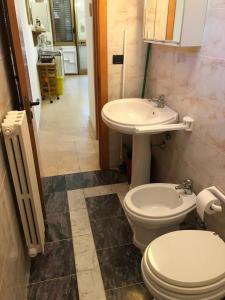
[
  {"x": 47, "y": 185},
  {"x": 94, "y": 178},
  {"x": 120, "y": 266},
  {"x": 111, "y": 232},
  {"x": 80, "y": 222},
  {"x": 64, "y": 288},
  {"x": 131, "y": 292},
  {"x": 87, "y": 259},
  {"x": 57, "y": 227},
  {"x": 57, "y": 261},
  {"x": 83, "y": 244},
  {"x": 110, "y": 177},
  {"x": 104, "y": 206},
  {"x": 97, "y": 191},
  {"x": 59, "y": 183},
  {"x": 81, "y": 180},
  {"x": 76, "y": 200},
  {"x": 90, "y": 285},
  {"x": 56, "y": 203},
  {"x": 54, "y": 184}
]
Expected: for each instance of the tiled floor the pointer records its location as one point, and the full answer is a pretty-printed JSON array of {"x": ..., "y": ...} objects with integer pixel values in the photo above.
[
  {"x": 66, "y": 142},
  {"x": 118, "y": 258},
  {"x": 68, "y": 232},
  {"x": 53, "y": 275}
]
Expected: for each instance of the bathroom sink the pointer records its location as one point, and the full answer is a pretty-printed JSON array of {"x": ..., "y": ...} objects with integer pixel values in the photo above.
[
  {"x": 132, "y": 116},
  {"x": 126, "y": 115}
]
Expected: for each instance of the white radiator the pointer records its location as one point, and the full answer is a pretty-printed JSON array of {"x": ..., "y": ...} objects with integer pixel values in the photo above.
[{"x": 18, "y": 145}]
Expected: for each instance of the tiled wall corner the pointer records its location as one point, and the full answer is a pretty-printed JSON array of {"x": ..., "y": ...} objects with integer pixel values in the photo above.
[
  {"x": 192, "y": 80},
  {"x": 123, "y": 15},
  {"x": 14, "y": 265}
]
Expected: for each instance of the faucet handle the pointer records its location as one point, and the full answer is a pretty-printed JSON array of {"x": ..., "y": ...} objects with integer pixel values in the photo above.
[
  {"x": 188, "y": 182},
  {"x": 162, "y": 97}
]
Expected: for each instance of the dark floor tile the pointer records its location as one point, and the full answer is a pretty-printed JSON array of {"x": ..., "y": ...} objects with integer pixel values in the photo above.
[
  {"x": 104, "y": 206},
  {"x": 59, "y": 183},
  {"x": 111, "y": 232},
  {"x": 81, "y": 180},
  {"x": 57, "y": 227},
  {"x": 110, "y": 177},
  {"x": 57, "y": 261},
  {"x": 120, "y": 266},
  {"x": 47, "y": 185},
  {"x": 131, "y": 292},
  {"x": 94, "y": 178},
  {"x": 56, "y": 203},
  {"x": 64, "y": 288}
]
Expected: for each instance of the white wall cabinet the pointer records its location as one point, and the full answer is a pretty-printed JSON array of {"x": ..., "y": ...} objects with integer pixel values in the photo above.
[{"x": 175, "y": 22}]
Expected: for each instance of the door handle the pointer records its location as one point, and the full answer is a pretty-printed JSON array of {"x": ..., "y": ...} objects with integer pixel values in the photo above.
[{"x": 35, "y": 103}]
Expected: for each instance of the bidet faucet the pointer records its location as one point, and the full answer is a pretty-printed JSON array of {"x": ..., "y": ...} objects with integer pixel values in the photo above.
[
  {"x": 159, "y": 100},
  {"x": 187, "y": 186}
]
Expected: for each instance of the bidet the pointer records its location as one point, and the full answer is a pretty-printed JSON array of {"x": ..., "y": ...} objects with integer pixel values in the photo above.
[{"x": 156, "y": 209}]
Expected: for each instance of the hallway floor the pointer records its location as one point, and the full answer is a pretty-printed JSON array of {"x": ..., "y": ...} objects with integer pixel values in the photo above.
[{"x": 67, "y": 144}]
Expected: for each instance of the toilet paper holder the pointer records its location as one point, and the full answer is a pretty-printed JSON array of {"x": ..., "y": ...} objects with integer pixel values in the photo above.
[{"x": 219, "y": 195}]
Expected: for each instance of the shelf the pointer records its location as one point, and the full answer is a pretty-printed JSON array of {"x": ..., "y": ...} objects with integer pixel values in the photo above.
[{"x": 36, "y": 33}]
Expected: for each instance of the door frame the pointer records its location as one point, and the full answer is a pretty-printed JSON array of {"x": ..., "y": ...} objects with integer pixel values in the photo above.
[{"x": 99, "y": 9}]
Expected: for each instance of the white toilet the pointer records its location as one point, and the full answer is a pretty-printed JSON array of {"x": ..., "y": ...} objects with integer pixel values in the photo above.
[
  {"x": 184, "y": 265},
  {"x": 156, "y": 209}
]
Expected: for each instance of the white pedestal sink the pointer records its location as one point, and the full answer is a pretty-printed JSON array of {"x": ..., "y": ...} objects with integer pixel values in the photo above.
[{"x": 130, "y": 116}]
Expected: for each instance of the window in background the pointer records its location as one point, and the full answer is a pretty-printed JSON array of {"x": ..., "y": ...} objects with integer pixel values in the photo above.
[{"x": 62, "y": 22}]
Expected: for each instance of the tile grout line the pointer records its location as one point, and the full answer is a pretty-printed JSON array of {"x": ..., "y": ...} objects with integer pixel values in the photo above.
[
  {"x": 123, "y": 286},
  {"x": 52, "y": 279}
]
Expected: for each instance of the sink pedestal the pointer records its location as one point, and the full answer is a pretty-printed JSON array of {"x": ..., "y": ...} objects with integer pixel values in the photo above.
[{"x": 141, "y": 160}]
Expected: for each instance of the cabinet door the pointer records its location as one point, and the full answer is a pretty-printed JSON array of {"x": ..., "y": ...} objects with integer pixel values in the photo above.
[
  {"x": 162, "y": 8},
  {"x": 149, "y": 19},
  {"x": 178, "y": 20}
]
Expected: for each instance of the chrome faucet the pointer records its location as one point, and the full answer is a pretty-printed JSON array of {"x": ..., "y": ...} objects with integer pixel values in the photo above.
[
  {"x": 159, "y": 100},
  {"x": 187, "y": 186}
]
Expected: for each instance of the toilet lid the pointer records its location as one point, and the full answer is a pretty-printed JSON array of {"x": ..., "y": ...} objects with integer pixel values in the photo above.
[{"x": 191, "y": 258}]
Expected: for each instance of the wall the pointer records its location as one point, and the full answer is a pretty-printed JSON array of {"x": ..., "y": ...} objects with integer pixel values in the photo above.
[
  {"x": 32, "y": 57},
  {"x": 90, "y": 66},
  {"x": 13, "y": 260},
  {"x": 193, "y": 81},
  {"x": 124, "y": 15}
]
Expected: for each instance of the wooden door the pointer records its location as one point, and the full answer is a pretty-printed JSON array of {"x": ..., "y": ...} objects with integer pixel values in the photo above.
[
  {"x": 20, "y": 63},
  {"x": 101, "y": 76}
]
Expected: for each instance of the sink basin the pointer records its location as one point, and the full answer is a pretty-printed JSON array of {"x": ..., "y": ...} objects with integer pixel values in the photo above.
[{"x": 125, "y": 115}]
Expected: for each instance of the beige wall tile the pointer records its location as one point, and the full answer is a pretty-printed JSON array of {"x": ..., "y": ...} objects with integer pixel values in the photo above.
[{"x": 124, "y": 15}]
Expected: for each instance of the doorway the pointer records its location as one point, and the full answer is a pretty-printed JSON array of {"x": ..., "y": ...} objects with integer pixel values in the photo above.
[{"x": 67, "y": 127}]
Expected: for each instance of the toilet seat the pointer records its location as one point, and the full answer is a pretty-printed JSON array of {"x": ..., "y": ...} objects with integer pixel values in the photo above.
[{"x": 174, "y": 267}]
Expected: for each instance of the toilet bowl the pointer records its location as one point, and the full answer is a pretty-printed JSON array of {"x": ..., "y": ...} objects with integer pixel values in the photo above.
[
  {"x": 156, "y": 209},
  {"x": 185, "y": 265}
]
